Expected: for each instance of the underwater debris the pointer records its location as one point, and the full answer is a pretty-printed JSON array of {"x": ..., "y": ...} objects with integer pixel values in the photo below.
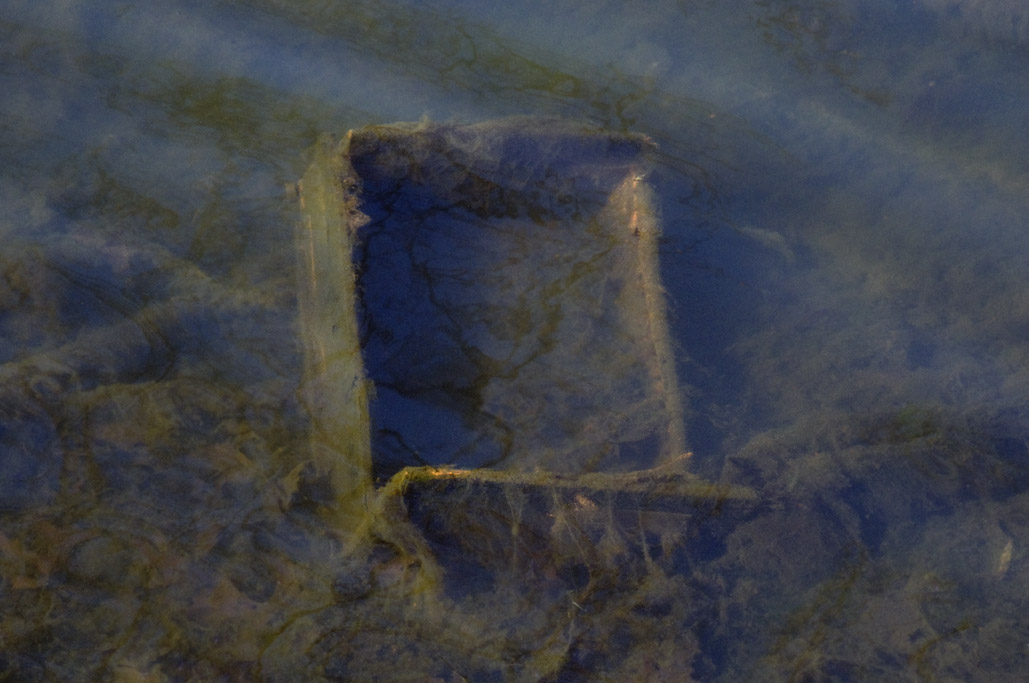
[
  {"x": 510, "y": 312},
  {"x": 489, "y": 297}
]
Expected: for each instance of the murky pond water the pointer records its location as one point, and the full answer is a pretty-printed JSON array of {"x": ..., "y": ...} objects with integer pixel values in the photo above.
[{"x": 844, "y": 219}]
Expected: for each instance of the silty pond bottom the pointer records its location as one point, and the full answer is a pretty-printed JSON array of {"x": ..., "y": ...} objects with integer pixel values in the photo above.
[{"x": 837, "y": 192}]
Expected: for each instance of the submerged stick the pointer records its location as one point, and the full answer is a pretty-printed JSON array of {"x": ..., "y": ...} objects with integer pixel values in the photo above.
[
  {"x": 334, "y": 388},
  {"x": 659, "y": 482},
  {"x": 638, "y": 205}
]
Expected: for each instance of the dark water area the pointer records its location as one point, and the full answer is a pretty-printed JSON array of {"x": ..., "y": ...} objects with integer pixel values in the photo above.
[{"x": 842, "y": 195}]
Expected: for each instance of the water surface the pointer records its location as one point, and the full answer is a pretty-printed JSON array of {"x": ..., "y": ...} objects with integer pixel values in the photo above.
[{"x": 843, "y": 199}]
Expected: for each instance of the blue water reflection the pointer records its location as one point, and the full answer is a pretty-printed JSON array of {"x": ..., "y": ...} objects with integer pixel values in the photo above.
[{"x": 844, "y": 206}]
